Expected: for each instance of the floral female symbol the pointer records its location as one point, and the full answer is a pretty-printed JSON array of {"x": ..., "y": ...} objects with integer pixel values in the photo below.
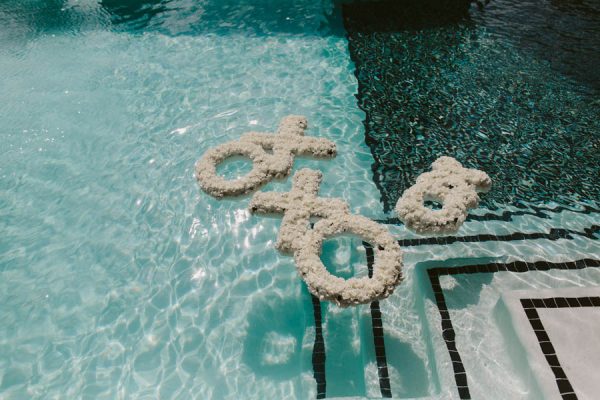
[
  {"x": 287, "y": 142},
  {"x": 449, "y": 183}
]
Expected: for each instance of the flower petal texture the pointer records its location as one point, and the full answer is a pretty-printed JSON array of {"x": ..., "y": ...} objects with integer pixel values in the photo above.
[
  {"x": 272, "y": 157},
  {"x": 448, "y": 183},
  {"x": 296, "y": 237}
]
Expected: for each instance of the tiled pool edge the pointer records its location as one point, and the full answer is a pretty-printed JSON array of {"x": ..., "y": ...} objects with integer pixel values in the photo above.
[
  {"x": 377, "y": 325},
  {"x": 553, "y": 234},
  {"x": 448, "y": 332},
  {"x": 318, "y": 354}
]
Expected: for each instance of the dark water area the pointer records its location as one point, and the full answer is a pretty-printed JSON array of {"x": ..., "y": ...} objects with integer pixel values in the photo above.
[
  {"x": 168, "y": 17},
  {"x": 509, "y": 87},
  {"x": 566, "y": 33}
]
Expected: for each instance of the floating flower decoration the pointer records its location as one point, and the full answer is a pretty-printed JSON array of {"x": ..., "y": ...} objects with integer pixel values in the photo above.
[
  {"x": 448, "y": 183},
  {"x": 273, "y": 157},
  {"x": 295, "y": 236}
]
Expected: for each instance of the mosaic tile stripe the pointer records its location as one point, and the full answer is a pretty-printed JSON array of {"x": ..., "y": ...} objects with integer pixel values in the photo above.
[
  {"x": 530, "y": 307},
  {"x": 536, "y": 211},
  {"x": 377, "y": 324},
  {"x": 507, "y": 216},
  {"x": 448, "y": 333},
  {"x": 553, "y": 234},
  {"x": 318, "y": 356}
]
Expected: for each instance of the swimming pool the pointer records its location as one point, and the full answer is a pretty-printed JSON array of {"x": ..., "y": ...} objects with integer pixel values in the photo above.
[{"x": 121, "y": 279}]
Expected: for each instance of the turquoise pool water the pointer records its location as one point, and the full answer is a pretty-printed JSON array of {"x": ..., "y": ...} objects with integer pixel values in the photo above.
[{"x": 119, "y": 278}]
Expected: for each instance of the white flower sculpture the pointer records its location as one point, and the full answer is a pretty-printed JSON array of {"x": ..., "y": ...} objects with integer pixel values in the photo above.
[
  {"x": 299, "y": 205},
  {"x": 448, "y": 183},
  {"x": 295, "y": 236},
  {"x": 272, "y": 157}
]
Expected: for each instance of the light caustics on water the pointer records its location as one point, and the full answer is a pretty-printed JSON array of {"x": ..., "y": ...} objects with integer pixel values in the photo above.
[{"x": 120, "y": 279}]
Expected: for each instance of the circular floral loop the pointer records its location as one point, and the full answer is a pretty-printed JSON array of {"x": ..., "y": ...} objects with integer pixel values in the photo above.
[
  {"x": 298, "y": 206},
  {"x": 216, "y": 185},
  {"x": 288, "y": 142},
  {"x": 387, "y": 269}
]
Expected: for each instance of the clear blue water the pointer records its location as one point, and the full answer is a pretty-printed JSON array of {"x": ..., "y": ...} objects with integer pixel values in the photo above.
[{"x": 119, "y": 278}]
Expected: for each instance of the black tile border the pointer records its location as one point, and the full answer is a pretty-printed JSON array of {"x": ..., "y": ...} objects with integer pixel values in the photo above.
[
  {"x": 536, "y": 211},
  {"x": 448, "y": 333},
  {"x": 377, "y": 324},
  {"x": 553, "y": 234},
  {"x": 530, "y": 306},
  {"x": 318, "y": 355}
]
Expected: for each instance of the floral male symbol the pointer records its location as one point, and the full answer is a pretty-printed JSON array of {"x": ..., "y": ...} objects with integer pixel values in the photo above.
[
  {"x": 295, "y": 236},
  {"x": 283, "y": 146},
  {"x": 449, "y": 183}
]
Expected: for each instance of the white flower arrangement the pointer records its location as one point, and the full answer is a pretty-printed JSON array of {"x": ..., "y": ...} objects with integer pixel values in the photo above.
[
  {"x": 448, "y": 183},
  {"x": 295, "y": 236},
  {"x": 272, "y": 157}
]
